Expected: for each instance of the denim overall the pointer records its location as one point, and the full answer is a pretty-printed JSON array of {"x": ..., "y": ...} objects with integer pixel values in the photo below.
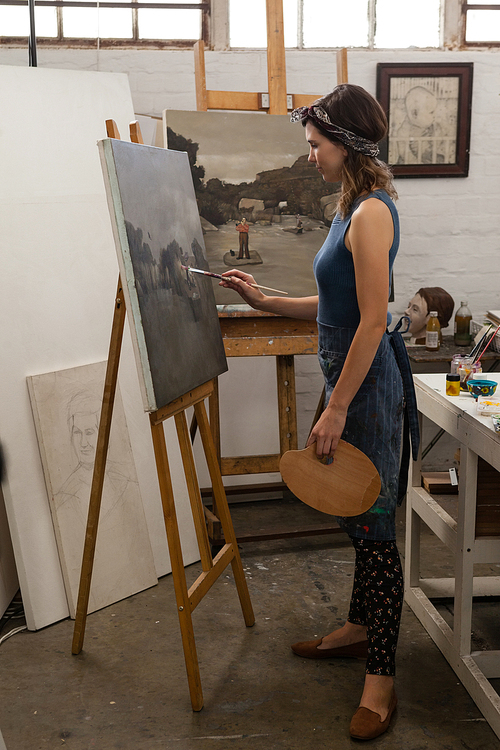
[{"x": 374, "y": 425}]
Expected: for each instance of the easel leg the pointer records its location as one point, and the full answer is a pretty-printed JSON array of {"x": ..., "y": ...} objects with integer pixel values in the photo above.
[
  {"x": 193, "y": 490},
  {"x": 99, "y": 470},
  {"x": 219, "y": 494},
  {"x": 214, "y": 415},
  {"x": 287, "y": 404},
  {"x": 178, "y": 574},
  {"x": 319, "y": 410}
]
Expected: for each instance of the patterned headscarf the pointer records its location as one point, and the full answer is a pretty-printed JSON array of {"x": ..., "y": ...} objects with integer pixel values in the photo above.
[{"x": 319, "y": 116}]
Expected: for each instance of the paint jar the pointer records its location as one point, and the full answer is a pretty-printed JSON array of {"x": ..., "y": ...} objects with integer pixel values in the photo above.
[
  {"x": 456, "y": 361},
  {"x": 453, "y": 385},
  {"x": 467, "y": 370}
]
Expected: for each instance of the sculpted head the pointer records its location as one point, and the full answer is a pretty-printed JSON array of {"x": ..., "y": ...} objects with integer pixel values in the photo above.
[{"x": 425, "y": 300}]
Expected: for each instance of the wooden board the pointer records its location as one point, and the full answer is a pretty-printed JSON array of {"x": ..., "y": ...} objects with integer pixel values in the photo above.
[
  {"x": 487, "y": 500},
  {"x": 438, "y": 483},
  {"x": 347, "y": 487},
  {"x": 255, "y": 334}
]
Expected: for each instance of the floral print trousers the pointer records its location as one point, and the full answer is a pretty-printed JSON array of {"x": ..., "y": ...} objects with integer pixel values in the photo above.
[{"x": 377, "y": 600}]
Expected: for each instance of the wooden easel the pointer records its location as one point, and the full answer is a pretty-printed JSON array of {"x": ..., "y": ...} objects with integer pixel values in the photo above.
[
  {"x": 212, "y": 568},
  {"x": 252, "y": 101},
  {"x": 250, "y": 333}
]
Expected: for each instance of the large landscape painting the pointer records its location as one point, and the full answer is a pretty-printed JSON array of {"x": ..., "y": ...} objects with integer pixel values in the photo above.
[
  {"x": 254, "y": 166},
  {"x": 157, "y": 229}
]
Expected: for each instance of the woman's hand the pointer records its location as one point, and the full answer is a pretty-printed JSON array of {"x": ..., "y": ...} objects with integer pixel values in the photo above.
[
  {"x": 327, "y": 432},
  {"x": 240, "y": 281}
]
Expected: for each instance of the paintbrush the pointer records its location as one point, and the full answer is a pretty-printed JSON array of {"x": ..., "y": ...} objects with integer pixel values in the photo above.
[
  {"x": 218, "y": 276},
  {"x": 489, "y": 342},
  {"x": 477, "y": 347}
]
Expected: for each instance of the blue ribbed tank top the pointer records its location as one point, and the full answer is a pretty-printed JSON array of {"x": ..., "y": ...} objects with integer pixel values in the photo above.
[{"x": 334, "y": 269}]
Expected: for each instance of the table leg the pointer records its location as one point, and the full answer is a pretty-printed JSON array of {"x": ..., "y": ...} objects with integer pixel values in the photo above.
[
  {"x": 412, "y": 541},
  {"x": 464, "y": 555}
]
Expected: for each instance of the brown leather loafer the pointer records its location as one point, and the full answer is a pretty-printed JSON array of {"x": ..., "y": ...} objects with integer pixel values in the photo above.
[
  {"x": 366, "y": 724},
  {"x": 310, "y": 650}
]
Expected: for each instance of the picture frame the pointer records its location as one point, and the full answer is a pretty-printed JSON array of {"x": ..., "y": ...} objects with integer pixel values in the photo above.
[{"x": 428, "y": 107}]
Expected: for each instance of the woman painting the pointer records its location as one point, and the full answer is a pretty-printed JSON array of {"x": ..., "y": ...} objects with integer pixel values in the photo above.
[{"x": 364, "y": 392}]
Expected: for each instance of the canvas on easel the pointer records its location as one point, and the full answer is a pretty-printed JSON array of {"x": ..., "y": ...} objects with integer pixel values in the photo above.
[
  {"x": 176, "y": 330},
  {"x": 265, "y": 178}
]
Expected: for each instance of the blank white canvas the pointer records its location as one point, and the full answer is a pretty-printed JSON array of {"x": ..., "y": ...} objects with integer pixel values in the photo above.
[
  {"x": 57, "y": 291},
  {"x": 66, "y": 409}
]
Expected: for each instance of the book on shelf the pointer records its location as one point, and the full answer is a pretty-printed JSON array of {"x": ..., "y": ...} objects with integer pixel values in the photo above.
[{"x": 494, "y": 316}]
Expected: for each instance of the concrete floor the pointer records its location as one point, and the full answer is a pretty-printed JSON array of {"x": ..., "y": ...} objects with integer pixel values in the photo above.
[{"x": 128, "y": 688}]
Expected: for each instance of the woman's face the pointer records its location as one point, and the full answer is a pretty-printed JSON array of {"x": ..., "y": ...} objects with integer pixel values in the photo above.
[
  {"x": 418, "y": 314},
  {"x": 84, "y": 434},
  {"x": 326, "y": 155}
]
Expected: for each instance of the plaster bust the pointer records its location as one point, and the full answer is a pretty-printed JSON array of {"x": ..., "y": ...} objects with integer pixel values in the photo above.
[{"x": 426, "y": 300}]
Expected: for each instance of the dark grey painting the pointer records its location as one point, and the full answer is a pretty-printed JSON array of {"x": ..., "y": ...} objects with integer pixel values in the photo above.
[{"x": 174, "y": 322}]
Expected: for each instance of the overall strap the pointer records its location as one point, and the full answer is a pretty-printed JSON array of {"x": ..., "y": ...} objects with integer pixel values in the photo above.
[{"x": 410, "y": 420}]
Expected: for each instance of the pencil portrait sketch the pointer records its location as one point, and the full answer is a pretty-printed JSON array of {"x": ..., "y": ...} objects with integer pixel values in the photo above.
[
  {"x": 174, "y": 322},
  {"x": 428, "y": 106},
  {"x": 66, "y": 407}
]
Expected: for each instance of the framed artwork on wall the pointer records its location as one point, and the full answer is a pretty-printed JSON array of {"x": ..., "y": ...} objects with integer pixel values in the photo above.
[{"x": 428, "y": 106}]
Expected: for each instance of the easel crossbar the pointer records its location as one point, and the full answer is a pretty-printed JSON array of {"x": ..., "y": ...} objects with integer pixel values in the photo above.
[
  {"x": 182, "y": 403},
  {"x": 206, "y": 580}
]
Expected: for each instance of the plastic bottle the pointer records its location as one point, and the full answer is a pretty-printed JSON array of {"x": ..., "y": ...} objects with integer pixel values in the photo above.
[
  {"x": 463, "y": 318},
  {"x": 432, "y": 332}
]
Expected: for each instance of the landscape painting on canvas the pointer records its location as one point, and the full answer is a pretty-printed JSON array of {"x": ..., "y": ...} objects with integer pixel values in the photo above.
[
  {"x": 174, "y": 322},
  {"x": 253, "y": 166},
  {"x": 66, "y": 408}
]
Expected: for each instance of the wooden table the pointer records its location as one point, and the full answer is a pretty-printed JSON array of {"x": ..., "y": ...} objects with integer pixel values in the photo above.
[
  {"x": 419, "y": 355},
  {"x": 457, "y": 416}
]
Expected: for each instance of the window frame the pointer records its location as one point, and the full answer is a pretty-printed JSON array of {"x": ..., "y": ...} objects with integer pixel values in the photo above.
[
  {"x": 371, "y": 30},
  {"x": 468, "y": 6},
  {"x": 108, "y": 43},
  {"x": 215, "y": 27}
]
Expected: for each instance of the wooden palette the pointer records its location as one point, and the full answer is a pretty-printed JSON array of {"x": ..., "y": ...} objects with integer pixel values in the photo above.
[{"x": 346, "y": 487}]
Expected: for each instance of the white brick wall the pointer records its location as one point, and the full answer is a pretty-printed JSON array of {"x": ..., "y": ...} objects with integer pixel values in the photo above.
[{"x": 450, "y": 226}]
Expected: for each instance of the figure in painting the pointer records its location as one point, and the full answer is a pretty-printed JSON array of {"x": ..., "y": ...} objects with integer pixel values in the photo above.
[
  {"x": 120, "y": 540},
  {"x": 425, "y": 300},
  {"x": 243, "y": 229},
  {"x": 83, "y": 423}
]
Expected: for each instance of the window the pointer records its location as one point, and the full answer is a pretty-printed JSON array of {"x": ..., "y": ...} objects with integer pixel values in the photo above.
[
  {"x": 173, "y": 23},
  {"x": 482, "y": 22},
  {"x": 337, "y": 23}
]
